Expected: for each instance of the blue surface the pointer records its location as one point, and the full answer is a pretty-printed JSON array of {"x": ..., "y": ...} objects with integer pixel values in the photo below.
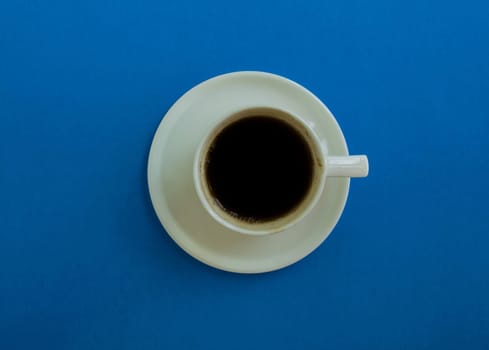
[{"x": 84, "y": 262}]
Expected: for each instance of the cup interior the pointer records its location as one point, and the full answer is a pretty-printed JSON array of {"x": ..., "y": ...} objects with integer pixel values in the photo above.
[{"x": 234, "y": 220}]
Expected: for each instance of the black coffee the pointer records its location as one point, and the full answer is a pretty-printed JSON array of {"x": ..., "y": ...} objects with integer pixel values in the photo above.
[{"x": 259, "y": 168}]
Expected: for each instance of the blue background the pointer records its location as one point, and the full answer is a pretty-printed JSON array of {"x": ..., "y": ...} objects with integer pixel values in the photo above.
[{"x": 84, "y": 262}]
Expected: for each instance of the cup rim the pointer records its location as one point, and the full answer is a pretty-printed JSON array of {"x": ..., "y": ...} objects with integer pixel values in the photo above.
[{"x": 277, "y": 225}]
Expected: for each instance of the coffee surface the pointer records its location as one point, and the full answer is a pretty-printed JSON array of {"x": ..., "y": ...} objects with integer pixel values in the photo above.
[{"x": 259, "y": 168}]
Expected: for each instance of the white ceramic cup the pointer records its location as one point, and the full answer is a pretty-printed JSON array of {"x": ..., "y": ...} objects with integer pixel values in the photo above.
[{"x": 324, "y": 166}]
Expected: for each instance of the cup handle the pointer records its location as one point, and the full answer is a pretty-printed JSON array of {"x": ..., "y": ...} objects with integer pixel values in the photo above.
[{"x": 347, "y": 166}]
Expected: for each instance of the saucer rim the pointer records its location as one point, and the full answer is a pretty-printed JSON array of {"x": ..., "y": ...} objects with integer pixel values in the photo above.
[{"x": 166, "y": 220}]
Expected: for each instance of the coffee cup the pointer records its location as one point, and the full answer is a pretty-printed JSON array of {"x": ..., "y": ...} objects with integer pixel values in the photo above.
[{"x": 262, "y": 169}]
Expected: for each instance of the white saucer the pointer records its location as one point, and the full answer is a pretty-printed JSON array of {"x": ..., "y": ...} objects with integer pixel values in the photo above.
[{"x": 171, "y": 184}]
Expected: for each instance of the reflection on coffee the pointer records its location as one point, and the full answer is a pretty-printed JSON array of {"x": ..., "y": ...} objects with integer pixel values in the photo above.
[{"x": 259, "y": 168}]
